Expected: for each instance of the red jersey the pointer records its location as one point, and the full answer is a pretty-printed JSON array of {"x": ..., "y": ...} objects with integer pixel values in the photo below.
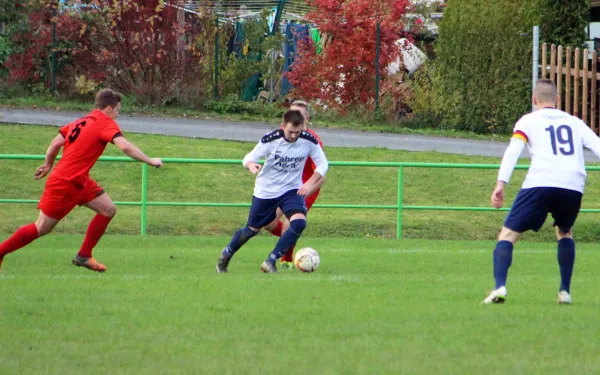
[
  {"x": 85, "y": 141},
  {"x": 309, "y": 167}
]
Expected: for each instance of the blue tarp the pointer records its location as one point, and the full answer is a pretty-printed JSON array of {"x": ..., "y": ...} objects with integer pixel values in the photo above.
[{"x": 293, "y": 34}]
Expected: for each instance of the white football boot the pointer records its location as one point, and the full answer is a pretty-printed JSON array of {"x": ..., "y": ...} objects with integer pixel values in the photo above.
[
  {"x": 564, "y": 298},
  {"x": 496, "y": 296}
]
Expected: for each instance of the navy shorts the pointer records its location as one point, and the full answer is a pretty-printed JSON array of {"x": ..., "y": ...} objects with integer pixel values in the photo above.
[
  {"x": 531, "y": 207},
  {"x": 264, "y": 211}
]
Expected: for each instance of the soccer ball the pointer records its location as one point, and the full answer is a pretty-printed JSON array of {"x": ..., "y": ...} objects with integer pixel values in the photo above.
[{"x": 307, "y": 259}]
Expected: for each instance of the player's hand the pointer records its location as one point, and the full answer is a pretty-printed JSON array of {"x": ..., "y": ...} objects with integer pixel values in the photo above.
[
  {"x": 155, "y": 162},
  {"x": 254, "y": 168},
  {"x": 42, "y": 171},
  {"x": 306, "y": 190},
  {"x": 498, "y": 196}
]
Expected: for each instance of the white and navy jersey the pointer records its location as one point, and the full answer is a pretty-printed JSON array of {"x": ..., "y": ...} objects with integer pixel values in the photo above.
[
  {"x": 284, "y": 162},
  {"x": 556, "y": 141}
]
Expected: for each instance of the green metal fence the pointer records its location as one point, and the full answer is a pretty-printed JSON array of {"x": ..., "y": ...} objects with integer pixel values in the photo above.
[{"x": 399, "y": 206}]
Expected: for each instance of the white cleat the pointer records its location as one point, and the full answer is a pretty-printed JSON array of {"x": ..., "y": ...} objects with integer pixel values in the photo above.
[
  {"x": 496, "y": 296},
  {"x": 564, "y": 298}
]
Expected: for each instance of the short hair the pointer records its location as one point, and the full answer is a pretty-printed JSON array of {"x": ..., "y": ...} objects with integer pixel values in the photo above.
[
  {"x": 294, "y": 117},
  {"x": 545, "y": 91},
  {"x": 107, "y": 98}
]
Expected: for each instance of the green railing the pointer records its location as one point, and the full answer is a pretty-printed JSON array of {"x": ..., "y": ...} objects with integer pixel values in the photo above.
[{"x": 399, "y": 206}]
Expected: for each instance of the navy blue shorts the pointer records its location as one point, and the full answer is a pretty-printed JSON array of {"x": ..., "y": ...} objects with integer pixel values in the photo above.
[
  {"x": 531, "y": 207},
  {"x": 264, "y": 211}
]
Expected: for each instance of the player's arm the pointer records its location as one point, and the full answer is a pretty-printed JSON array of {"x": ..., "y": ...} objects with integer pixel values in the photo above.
[
  {"x": 134, "y": 152},
  {"x": 320, "y": 160},
  {"x": 51, "y": 155},
  {"x": 320, "y": 183},
  {"x": 251, "y": 159},
  {"x": 509, "y": 161}
]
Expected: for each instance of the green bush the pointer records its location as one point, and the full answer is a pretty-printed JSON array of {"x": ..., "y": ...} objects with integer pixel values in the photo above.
[
  {"x": 231, "y": 104},
  {"x": 564, "y": 22},
  {"x": 483, "y": 66},
  {"x": 5, "y": 51}
]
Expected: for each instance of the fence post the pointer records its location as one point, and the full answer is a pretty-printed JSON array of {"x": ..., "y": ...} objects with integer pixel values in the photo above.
[
  {"x": 536, "y": 59},
  {"x": 568, "y": 75},
  {"x": 553, "y": 63},
  {"x": 53, "y": 76},
  {"x": 544, "y": 59},
  {"x": 377, "y": 53},
  {"x": 144, "y": 214},
  {"x": 594, "y": 97},
  {"x": 559, "y": 74},
  {"x": 576, "y": 83},
  {"x": 584, "y": 93},
  {"x": 216, "y": 88},
  {"x": 400, "y": 204}
]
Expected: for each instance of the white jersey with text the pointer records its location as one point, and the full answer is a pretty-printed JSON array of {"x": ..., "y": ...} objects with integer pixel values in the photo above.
[
  {"x": 556, "y": 141},
  {"x": 284, "y": 162}
]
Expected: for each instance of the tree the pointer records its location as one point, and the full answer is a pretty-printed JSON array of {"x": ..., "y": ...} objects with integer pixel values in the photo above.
[
  {"x": 344, "y": 73},
  {"x": 10, "y": 10},
  {"x": 142, "y": 48},
  {"x": 563, "y": 22},
  {"x": 483, "y": 53}
]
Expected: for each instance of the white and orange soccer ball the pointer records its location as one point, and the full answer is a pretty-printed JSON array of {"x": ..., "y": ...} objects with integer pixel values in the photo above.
[{"x": 307, "y": 259}]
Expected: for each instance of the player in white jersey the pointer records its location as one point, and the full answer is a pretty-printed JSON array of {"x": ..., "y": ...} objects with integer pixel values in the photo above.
[
  {"x": 279, "y": 185},
  {"x": 554, "y": 184}
]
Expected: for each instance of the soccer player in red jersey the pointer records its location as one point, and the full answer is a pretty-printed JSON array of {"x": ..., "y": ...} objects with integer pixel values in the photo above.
[
  {"x": 70, "y": 185},
  {"x": 278, "y": 226}
]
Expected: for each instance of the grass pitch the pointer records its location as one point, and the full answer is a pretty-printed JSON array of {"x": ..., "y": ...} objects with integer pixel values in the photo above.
[{"x": 373, "y": 307}]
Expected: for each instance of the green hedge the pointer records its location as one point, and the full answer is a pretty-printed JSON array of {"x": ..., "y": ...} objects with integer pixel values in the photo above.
[{"x": 483, "y": 66}]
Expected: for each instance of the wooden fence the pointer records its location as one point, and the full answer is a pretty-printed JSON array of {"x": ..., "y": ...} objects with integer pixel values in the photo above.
[{"x": 576, "y": 77}]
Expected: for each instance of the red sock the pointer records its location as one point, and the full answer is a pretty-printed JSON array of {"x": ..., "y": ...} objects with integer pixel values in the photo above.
[
  {"x": 278, "y": 229},
  {"x": 289, "y": 256},
  {"x": 22, "y": 237},
  {"x": 95, "y": 230}
]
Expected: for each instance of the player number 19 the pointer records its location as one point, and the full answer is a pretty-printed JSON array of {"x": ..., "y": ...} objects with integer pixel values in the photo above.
[{"x": 564, "y": 136}]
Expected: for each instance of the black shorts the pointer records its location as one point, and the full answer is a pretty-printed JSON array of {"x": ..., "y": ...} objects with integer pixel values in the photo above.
[
  {"x": 531, "y": 207},
  {"x": 264, "y": 211}
]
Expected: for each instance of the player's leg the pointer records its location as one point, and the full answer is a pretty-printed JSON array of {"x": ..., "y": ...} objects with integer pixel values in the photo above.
[
  {"x": 294, "y": 208},
  {"x": 27, "y": 234},
  {"x": 105, "y": 210},
  {"x": 528, "y": 212},
  {"x": 564, "y": 211},
  {"x": 287, "y": 260},
  {"x": 56, "y": 202},
  {"x": 566, "y": 261},
  {"x": 262, "y": 212},
  {"x": 502, "y": 261},
  {"x": 277, "y": 226}
]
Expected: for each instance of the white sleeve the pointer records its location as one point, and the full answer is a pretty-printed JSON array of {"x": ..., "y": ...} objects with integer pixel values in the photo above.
[
  {"x": 319, "y": 158},
  {"x": 520, "y": 130},
  {"x": 511, "y": 156},
  {"x": 260, "y": 151},
  {"x": 590, "y": 140}
]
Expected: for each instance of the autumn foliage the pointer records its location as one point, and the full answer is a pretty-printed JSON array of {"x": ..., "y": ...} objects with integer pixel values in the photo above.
[
  {"x": 148, "y": 48},
  {"x": 151, "y": 51},
  {"x": 344, "y": 73}
]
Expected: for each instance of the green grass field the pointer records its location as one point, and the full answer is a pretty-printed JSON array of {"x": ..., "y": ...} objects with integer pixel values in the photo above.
[
  {"x": 211, "y": 183},
  {"x": 373, "y": 307}
]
